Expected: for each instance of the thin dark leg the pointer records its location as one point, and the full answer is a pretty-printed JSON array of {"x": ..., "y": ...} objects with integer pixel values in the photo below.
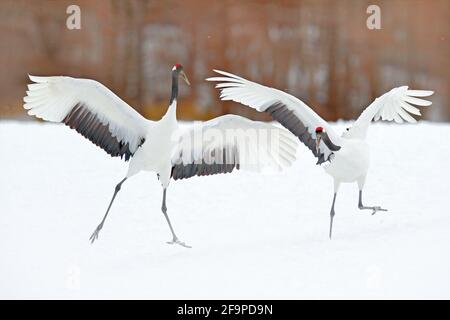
[
  {"x": 332, "y": 214},
  {"x": 94, "y": 236},
  {"x": 164, "y": 210},
  {"x": 374, "y": 209}
]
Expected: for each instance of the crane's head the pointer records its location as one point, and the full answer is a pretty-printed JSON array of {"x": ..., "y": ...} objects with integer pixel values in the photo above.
[
  {"x": 319, "y": 135},
  {"x": 178, "y": 70}
]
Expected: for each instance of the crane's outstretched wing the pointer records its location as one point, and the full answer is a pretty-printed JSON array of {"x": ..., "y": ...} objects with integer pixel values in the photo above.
[
  {"x": 393, "y": 105},
  {"x": 232, "y": 142},
  {"x": 91, "y": 109},
  {"x": 291, "y": 112}
]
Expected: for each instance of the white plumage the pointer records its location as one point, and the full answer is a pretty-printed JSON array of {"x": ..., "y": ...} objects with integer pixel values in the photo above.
[
  {"x": 261, "y": 98},
  {"x": 160, "y": 146},
  {"x": 395, "y": 105},
  {"x": 52, "y": 99},
  {"x": 260, "y": 146},
  {"x": 345, "y": 157}
]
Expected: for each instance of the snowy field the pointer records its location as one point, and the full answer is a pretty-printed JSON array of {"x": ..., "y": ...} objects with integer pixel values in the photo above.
[{"x": 253, "y": 236}]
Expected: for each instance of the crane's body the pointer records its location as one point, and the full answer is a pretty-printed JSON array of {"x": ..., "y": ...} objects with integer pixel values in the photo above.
[
  {"x": 345, "y": 158},
  {"x": 350, "y": 163},
  {"x": 161, "y": 146},
  {"x": 155, "y": 154}
]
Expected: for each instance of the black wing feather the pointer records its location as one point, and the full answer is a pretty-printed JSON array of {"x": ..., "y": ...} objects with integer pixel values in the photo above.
[
  {"x": 88, "y": 125},
  {"x": 281, "y": 113}
]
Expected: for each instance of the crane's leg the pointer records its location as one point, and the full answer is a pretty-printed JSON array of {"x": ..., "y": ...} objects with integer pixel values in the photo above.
[
  {"x": 336, "y": 189},
  {"x": 94, "y": 236},
  {"x": 332, "y": 214},
  {"x": 164, "y": 210},
  {"x": 374, "y": 209},
  {"x": 361, "y": 181}
]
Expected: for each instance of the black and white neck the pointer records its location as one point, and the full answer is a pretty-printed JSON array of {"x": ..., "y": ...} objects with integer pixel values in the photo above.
[
  {"x": 326, "y": 139},
  {"x": 171, "y": 112},
  {"x": 174, "y": 94}
]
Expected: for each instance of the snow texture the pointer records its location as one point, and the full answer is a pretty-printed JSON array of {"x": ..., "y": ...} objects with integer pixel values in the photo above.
[{"x": 253, "y": 236}]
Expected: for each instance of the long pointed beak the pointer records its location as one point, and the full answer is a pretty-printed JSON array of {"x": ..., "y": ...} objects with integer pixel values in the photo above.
[
  {"x": 319, "y": 138},
  {"x": 185, "y": 78}
]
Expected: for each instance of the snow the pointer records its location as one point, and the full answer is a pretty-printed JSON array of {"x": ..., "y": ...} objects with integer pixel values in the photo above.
[{"x": 253, "y": 236}]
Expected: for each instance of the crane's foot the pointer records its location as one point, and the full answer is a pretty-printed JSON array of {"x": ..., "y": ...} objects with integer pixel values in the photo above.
[
  {"x": 176, "y": 241},
  {"x": 374, "y": 209},
  {"x": 94, "y": 236}
]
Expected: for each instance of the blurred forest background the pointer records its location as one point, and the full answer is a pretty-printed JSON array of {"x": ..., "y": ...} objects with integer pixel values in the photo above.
[{"x": 320, "y": 51}]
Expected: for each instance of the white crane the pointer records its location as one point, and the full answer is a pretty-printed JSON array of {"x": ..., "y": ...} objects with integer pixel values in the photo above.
[
  {"x": 346, "y": 156},
  {"x": 159, "y": 146}
]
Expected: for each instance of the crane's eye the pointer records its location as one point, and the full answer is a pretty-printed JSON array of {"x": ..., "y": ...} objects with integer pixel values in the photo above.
[{"x": 347, "y": 129}]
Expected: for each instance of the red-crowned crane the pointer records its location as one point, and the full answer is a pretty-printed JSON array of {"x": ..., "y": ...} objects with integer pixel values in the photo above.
[
  {"x": 346, "y": 157},
  {"x": 159, "y": 146}
]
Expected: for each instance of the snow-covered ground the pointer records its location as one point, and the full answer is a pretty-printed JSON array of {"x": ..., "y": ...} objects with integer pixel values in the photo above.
[{"x": 253, "y": 236}]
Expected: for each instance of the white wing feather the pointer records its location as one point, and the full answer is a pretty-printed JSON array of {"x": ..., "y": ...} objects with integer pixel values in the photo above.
[
  {"x": 53, "y": 98},
  {"x": 395, "y": 105},
  {"x": 260, "y": 97},
  {"x": 250, "y": 145}
]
